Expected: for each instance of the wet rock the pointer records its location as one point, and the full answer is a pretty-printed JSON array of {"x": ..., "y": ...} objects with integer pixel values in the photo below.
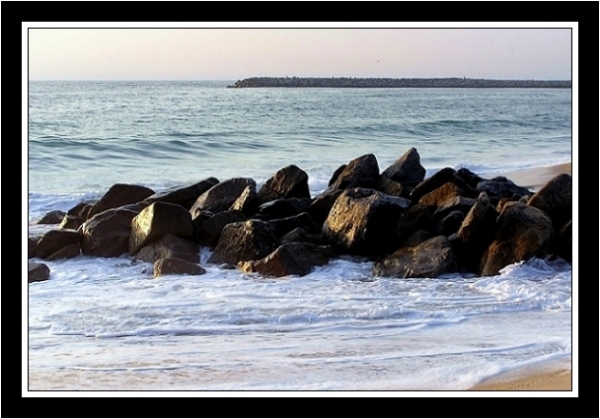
[
  {"x": 429, "y": 259},
  {"x": 209, "y": 232},
  {"x": 247, "y": 202},
  {"x": 440, "y": 195},
  {"x": 170, "y": 246},
  {"x": 360, "y": 219},
  {"x": 54, "y": 240},
  {"x": 38, "y": 272},
  {"x": 289, "y": 182},
  {"x": 417, "y": 217},
  {"x": 407, "y": 170},
  {"x": 562, "y": 243},
  {"x": 281, "y": 226},
  {"x": 322, "y": 204},
  {"x": 282, "y": 208},
  {"x": 438, "y": 179},
  {"x": 469, "y": 177},
  {"x": 242, "y": 241},
  {"x": 52, "y": 217},
  {"x": 336, "y": 174},
  {"x": 170, "y": 266},
  {"x": 67, "y": 252},
  {"x": 158, "y": 220},
  {"x": 360, "y": 172},
  {"x": 391, "y": 187},
  {"x": 32, "y": 242},
  {"x": 450, "y": 223},
  {"x": 301, "y": 234},
  {"x": 184, "y": 195},
  {"x": 120, "y": 195},
  {"x": 522, "y": 232},
  {"x": 555, "y": 199},
  {"x": 222, "y": 196},
  {"x": 290, "y": 259},
  {"x": 501, "y": 187}
]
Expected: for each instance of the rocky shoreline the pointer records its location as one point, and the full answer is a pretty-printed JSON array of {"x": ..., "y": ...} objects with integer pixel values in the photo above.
[
  {"x": 353, "y": 82},
  {"x": 408, "y": 225}
]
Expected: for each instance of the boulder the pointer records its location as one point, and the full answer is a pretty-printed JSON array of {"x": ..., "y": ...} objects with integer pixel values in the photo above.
[
  {"x": 209, "y": 232},
  {"x": 554, "y": 198},
  {"x": 82, "y": 209},
  {"x": 417, "y": 217},
  {"x": 282, "y": 208},
  {"x": 457, "y": 203},
  {"x": 289, "y": 182},
  {"x": 429, "y": 259},
  {"x": 52, "y": 217},
  {"x": 242, "y": 241},
  {"x": 32, "y": 242},
  {"x": 301, "y": 234},
  {"x": 336, "y": 174},
  {"x": 438, "y": 179},
  {"x": 523, "y": 232},
  {"x": 441, "y": 194},
  {"x": 416, "y": 238},
  {"x": 360, "y": 172},
  {"x": 71, "y": 222},
  {"x": 107, "y": 234},
  {"x": 120, "y": 195},
  {"x": 321, "y": 205},
  {"x": 290, "y": 259},
  {"x": 407, "y": 170},
  {"x": 55, "y": 240},
  {"x": 247, "y": 202},
  {"x": 501, "y": 187},
  {"x": 170, "y": 246},
  {"x": 222, "y": 196},
  {"x": 562, "y": 243},
  {"x": 450, "y": 223},
  {"x": 281, "y": 226},
  {"x": 37, "y": 272},
  {"x": 469, "y": 177},
  {"x": 183, "y": 195},
  {"x": 158, "y": 220},
  {"x": 169, "y": 266},
  {"x": 391, "y": 187},
  {"x": 360, "y": 219},
  {"x": 67, "y": 252}
]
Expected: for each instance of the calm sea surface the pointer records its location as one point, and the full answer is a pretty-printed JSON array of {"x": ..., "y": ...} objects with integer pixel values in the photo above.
[{"x": 106, "y": 324}]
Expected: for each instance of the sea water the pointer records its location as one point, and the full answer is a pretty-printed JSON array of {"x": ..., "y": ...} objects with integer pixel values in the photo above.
[{"x": 107, "y": 324}]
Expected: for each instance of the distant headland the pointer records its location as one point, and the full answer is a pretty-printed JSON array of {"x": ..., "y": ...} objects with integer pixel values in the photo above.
[{"x": 354, "y": 82}]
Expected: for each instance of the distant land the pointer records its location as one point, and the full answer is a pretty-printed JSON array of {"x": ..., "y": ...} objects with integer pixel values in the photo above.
[{"x": 354, "y": 82}]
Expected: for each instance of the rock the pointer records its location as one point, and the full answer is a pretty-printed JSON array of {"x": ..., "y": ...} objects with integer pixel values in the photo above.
[
  {"x": 429, "y": 259},
  {"x": 416, "y": 238},
  {"x": 321, "y": 205},
  {"x": 120, "y": 195},
  {"x": 242, "y": 241},
  {"x": 407, "y": 170},
  {"x": 32, "y": 242},
  {"x": 438, "y": 179},
  {"x": 301, "y": 234},
  {"x": 441, "y": 194},
  {"x": 554, "y": 198},
  {"x": 523, "y": 232},
  {"x": 82, "y": 209},
  {"x": 501, "y": 187},
  {"x": 336, "y": 174},
  {"x": 71, "y": 222},
  {"x": 458, "y": 203},
  {"x": 290, "y": 259},
  {"x": 52, "y": 217},
  {"x": 184, "y": 195},
  {"x": 158, "y": 220},
  {"x": 360, "y": 172},
  {"x": 282, "y": 208},
  {"x": 170, "y": 246},
  {"x": 391, "y": 187},
  {"x": 67, "y": 252},
  {"x": 55, "y": 240},
  {"x": 209, "y": 232},
  {"x": 107, "y": 234},
  {"x": 475, "y": 233},
  {"x": 562, "y": 243},
  {"x": 450, "y": 223},
  {"x": 222, "y": 196},
  {"x": 37, "y": 272},
  {"x": 281, "y": 226},
  {"x": 469, "y": 177},
  {"x": 247, "y": 202},
  {"x": 168, "y": 266},
  {"x": 360, "y": 219},
  {"x": 289, "y": 182},
  {"x": 417, "y": 217}
]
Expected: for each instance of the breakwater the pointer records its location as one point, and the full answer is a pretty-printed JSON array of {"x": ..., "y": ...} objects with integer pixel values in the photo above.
[{"x": 353, "y": 82}]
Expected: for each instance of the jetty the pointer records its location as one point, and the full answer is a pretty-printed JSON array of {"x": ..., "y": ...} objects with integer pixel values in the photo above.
[{"x": 354, "y": 82}]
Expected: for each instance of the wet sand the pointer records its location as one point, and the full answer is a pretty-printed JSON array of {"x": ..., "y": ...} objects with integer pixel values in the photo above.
[
  {"x": 542, "y": 379},
  {"x": 535, "y": 178}
]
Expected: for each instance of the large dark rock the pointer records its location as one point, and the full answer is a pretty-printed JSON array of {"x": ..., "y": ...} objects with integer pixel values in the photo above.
[
  {"x": 321, "y": 205},
  {"x": 158, "y": 220},
  {"x": 438, "y": 179},
  {"x": 71, "y": 222},
  {"x": 67, "y": 252},
  {"x": 301, "y": 234},
  {"x": 289, "y": 182},
  {"x": 290, "y": 259},
  {"x": 457, "y": 203},
  {"x": 429, "y": 259},
  {"x": 281, "y": 226},
  {"x": 417, "y": 217},
  {"x": 52, "y": 217},
  {"x": 37, "y": 272},
  {"x": 242, "y": 241},
  {"x": 523, "y": 232},
  {"x": 439, "y": 195},
  {"x": 555, "y": 199},
  {"x": 170, "y": 246},
  {"x": 282, "y": 208},
  {"x": 450, "y": 223},
  {"x": 170, "y": 266},
  {"x": 222, "y": 196},
  {"x": 391, "y": 187},
  {"x": 562, "y": 243},
  {"x": 501, "y": 187},
  {"x": 361, "y": 172},
  {"x": 184, "y": 195},
  {"x": 359, "y": 221},
  {"x": 54, "y": 240},
  {"x": 209, "y": 232},
  {"x": 119, "y": 195},
  {"x": 469, "y": 177},
  {"x": 107, "y": 234},
  {"x": 407, "y": 170},
  {"x": 336, "y": 174},
  {"x": 247, "y": 202},
  {"x": 32, "y": 242}
]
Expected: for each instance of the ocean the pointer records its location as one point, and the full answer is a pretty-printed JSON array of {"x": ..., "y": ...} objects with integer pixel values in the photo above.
[{"x": 105, "y": 324}]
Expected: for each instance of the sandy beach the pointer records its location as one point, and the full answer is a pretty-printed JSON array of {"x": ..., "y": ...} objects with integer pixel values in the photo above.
[{"x": 536, "y": 178}]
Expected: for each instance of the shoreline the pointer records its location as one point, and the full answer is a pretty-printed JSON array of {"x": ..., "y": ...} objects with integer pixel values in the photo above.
[
  {"x": 536, "y": 177},
  {"x": 544, "y": 378}
]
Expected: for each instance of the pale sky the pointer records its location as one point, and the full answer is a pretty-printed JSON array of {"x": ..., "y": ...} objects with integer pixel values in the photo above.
[{"x": 201, "y": 53}]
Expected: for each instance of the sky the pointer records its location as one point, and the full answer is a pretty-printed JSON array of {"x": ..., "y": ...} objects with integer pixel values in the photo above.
[{"x": 195, "y": 52}]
